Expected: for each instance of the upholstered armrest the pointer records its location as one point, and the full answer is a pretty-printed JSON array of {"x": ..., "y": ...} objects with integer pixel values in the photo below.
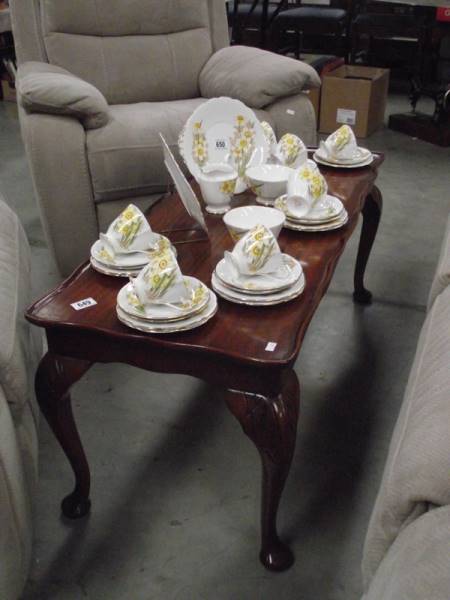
[
  {"x": 44, "y": 88},
  {"x": 255, "y": 76}
]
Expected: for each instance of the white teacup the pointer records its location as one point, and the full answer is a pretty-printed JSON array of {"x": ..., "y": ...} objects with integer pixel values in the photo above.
[
  {"x": 295, "y": 185},
  {"x": 341, "y": 144},
  {"x": 129, "y": 232},
  {"x": 256, "y": 253},
  {"x": 291, "y": 151},
  {"x": 218, "y": 185},
  {"x": 309, "y": 191},
  {"x": 161, "y": 281}
]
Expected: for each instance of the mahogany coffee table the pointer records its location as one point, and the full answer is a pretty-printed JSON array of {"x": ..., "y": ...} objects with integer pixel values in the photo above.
[{"x": 249, "y": 351}]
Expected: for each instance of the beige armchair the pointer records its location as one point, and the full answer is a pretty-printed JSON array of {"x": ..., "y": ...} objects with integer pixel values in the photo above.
[{"x": 98, "y": 81}]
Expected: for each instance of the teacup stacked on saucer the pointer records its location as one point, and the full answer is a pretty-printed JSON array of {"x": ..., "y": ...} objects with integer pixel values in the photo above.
[
  {"x": 162, "y": 300},
  {"x": 127, "y": 245},
  {"x": 307, "y": 205},
  {"x": 341, "y": 149},
  {"x": 256, "y": 273}
]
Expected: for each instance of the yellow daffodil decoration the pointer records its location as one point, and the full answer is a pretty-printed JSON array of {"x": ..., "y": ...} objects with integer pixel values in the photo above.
[
  {"x": 258, "y": 247},
  {"x": 128, "y": 225},
  {"x": 342, "y": 137},
  {"x": 242, "y": 143},
  {"x": 160, "y": 274},
  {"x": 228, "y": 187},
  {"x": 317, "y": 186},
  {"x": 199, "y": 145},
  {"x": 196, "y": 296},
  {"x": 290, "y": 148}
]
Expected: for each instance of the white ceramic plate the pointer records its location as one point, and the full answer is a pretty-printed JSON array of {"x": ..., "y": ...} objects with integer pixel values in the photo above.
[
  {"x": 336, "y": 165},
  {"x": 113, "y": 272},
  {"x": 190, "y": 323},
  {"x": 334, "y": 208},
  {"x": 362, "y": 155},
  {"x": 336, "y": 224},
  {"x": 128, "y": 302},
  {"x": 255, "y": 300},
  {"x": 217, "y": 121},
  {"x": 259, "y": 284}
]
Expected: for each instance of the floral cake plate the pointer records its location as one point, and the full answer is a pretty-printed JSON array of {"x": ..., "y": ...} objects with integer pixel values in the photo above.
[{"x": 223, "y": 131}]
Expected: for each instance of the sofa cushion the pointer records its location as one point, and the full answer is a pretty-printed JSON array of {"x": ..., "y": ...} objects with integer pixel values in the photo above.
[
  {"x": 442, "y": 276},
  {"x": 417, "y": 470},
  {"x": 15, "y": 341},
  {"x": 417, "y": 565},
  {"x": 140, "y": 51},
  {"x": 255, "y": 76},
  {"x": 125, "y": 157},
  {"x": 48, "y": 89}
]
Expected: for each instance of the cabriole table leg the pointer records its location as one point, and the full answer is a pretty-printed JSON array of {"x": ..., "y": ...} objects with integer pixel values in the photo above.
[
  {"x": 371, "y": 217},
  {"x": 54, "y": 377},
  {"x": 271, "y": 423}
]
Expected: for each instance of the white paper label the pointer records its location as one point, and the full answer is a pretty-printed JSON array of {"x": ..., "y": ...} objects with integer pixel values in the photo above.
[
  {"x": 345, "y": 115},
  {"x": 221, "y": 144},
  {"x": 81, "y": 304},
  {"x": 290, "y": 111},
  {"x": 271, "y": 346}
]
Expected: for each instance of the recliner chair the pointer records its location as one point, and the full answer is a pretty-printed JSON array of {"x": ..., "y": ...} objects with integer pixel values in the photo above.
[{"x": 94, "y": 148}]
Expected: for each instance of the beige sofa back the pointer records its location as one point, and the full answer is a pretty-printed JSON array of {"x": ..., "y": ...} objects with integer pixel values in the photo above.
[{"x": 141, "y": 51}]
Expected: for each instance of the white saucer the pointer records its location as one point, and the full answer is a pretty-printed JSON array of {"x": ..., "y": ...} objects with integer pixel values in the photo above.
[
  {"x": 129, "y": 303},
  {"x": 344, "y": 165},
  {"x": 332, "y": 225},
  {"x": 133, "y": 260},
  {"x": 333, "y": 210},
  {"x": 127, "y": 261},
  {"x": 184, "y": 325},
  {"x": 258, "y": 284},
  {"x": 258, "y": 300},
  {"x": 362, "y": 155},
  {"x": 114, "y": 272}
]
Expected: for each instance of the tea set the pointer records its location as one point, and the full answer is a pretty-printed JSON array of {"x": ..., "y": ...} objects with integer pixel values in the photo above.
[{"x": 227, "y": 150}]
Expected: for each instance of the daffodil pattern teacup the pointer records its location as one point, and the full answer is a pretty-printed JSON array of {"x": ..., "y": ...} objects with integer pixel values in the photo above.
[
  {"x": 309, "y": 190},
  {"x": 129, "y": 232},
  {"x": 160, "y": 281},
  {"x": 291, "y": 151},
  {"x": 340, "y": 145},
  {"x": 256, "y": 253}
]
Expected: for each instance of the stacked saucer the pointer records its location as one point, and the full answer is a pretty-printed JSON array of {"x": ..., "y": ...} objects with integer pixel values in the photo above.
[
  {"x": 256, "y": 273},
  {"x": 341, "y": 150},
  {"x": 307, "y": 206},
  {"x": 161, "y": 300},
  {"x": 127, "y": 245}
]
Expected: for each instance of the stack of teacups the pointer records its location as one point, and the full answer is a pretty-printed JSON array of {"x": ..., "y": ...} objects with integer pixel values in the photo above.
[
  {"x": 256, "y": 273},
  {"x": 341, "y": 149},
  {"x": 162, "y": 300},
  {"x": 307, "y": 205}
]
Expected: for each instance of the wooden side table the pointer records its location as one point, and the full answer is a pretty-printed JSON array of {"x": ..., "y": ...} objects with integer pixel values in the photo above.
[{"x": 231, "y": 350}]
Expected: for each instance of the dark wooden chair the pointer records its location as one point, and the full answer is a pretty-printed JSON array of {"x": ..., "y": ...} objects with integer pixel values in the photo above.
[
  {"x": 377, "y": 21},
  {"x": 310, "y": 23},
  {"x": 255, "y": 15}
]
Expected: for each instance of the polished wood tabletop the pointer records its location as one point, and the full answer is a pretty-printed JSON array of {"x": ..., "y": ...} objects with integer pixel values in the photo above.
[
  {"x": 230, "y": 350},
  {"x": 236, "y": 333}
]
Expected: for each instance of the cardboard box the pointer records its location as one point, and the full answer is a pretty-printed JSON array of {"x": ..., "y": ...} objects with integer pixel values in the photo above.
[
  {"x": 314, "y": 96},
  {"x": 356, "y": 96}
]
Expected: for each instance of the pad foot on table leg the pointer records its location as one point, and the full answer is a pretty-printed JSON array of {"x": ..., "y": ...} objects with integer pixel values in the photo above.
[
  {"x": 277, "y": 557},
  {"x": 362, "y": 296},
  {"x": 75, "y": 507}
]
